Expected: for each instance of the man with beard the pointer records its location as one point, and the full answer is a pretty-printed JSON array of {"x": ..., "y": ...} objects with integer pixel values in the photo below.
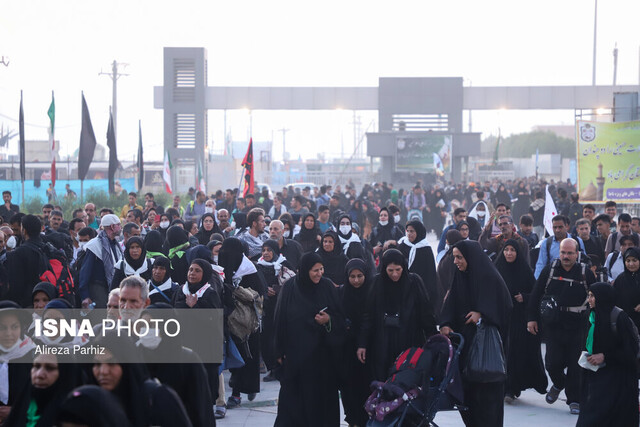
[
  {"x": 562, "y": 284},
  {"x": 291, "y": 249},
  {"x": 134, "y": 297}
]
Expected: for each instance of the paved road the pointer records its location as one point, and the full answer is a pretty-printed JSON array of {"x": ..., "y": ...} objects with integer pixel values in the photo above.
[{"x": 530, "y": 410}]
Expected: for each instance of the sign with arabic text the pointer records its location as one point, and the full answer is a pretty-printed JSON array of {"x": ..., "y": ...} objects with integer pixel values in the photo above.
[{"x": 608, "y": 161}]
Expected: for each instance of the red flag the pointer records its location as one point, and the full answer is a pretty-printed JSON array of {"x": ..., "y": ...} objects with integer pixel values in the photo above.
[{"x": 247, "y": 171}]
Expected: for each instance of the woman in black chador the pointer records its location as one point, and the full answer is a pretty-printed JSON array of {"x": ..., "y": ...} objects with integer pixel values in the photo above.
[
  {"x": 627, "y": 285},
  {"x": 309, "y": 337},
  {"x": 609, "y": 396},
  {"x": 477, "y": 292},
  {"x": 309, "y": 235},
  {"x": 415, "y": 247},
  {"x": 524, "y": 360},
  {"x": 354, "y": 388},
  {"x": 333, "y": 259},
  {"x": 398, "y": 315}
]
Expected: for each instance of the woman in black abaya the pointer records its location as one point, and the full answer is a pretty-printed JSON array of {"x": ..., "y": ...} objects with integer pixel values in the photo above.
[
  {"x": 398, "y": 315},
  {"x": 477, "y": 292},
  {"x": 354, "y": 388},
  {"x": 208, "y": 226},
  {"x": 627, "y": 285},
  {"x": 415, "y": 247},
  {"x": 384, "y": 235},
  {"x": 333, "y": 259},
  {"x": 270, "y": 265},
  {"x": 240, "y": 271},
  {"x": 609, "y": 396},
  {"x": 524, "y": 359},
  {"x": 309, "y": 338},
  {"x": 309, "y": 235},
  {"x": 446, "y": 268}
]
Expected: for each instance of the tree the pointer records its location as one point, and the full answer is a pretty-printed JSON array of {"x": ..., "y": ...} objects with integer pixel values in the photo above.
[{"x": 525, "y": 144}]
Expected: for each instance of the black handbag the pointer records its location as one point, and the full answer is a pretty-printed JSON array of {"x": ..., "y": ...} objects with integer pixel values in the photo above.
[{"x": 485, "y": 360}]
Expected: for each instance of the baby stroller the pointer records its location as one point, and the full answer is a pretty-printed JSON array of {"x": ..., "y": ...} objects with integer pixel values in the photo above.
[{"x": 422, "y": 382}]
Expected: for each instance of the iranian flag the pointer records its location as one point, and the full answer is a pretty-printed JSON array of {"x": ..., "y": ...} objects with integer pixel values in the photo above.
[
  {"x": 166, "y": 173},
  {"x": 202, "y": 186},
  {"x": 52, "y": 142}
]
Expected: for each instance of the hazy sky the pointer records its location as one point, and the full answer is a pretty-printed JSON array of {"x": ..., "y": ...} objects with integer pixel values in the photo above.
[{"x": 63, "y": 45}]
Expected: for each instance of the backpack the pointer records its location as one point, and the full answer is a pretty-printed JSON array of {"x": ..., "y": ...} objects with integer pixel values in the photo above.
[
  {"x": 582, "y": 257},
  {"x": 247, "y": 314},
  {"x": 614, "y": 256},
  {"x": 409, "y": 371},
  {"x": 614, "y": 327},
  {"x": 58, "y": 273}
]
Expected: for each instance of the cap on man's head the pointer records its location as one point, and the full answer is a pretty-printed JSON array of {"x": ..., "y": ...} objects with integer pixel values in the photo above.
[{"x": 109, "y": 219}]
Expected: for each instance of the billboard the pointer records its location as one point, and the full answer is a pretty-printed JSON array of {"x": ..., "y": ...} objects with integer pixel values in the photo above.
[
  {"x": 608, "y": 161},
  {"x": 416, "y": 153}
]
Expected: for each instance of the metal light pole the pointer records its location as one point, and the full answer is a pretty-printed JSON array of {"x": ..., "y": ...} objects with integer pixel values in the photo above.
[
  {"x": 595, "y": 32},
  {"x": 114, "y": 75}
]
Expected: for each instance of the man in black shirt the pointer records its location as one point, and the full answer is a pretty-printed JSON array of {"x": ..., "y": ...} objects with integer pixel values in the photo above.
[
  {"x": 592, "y": 245},
  {"x": 291, "y": 249},
  {"x": 564, "y": 283},
  {"x": 7, "y": 210}
]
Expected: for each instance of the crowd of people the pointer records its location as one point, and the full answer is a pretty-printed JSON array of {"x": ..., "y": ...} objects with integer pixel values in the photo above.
[{"x": 346, "y": 281}]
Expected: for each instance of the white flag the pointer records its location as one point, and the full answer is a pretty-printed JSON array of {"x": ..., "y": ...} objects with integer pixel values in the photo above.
[
  {"x": 549, "y": 212},
  {"x": 166, "y": 172}
]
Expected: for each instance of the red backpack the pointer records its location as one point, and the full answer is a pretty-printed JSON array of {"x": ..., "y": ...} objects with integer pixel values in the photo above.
[{"x": 58, "y": 273}]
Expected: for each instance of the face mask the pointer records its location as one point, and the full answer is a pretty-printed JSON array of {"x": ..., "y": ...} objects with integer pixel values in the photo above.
[
  {"x": 207, "y": 209},
  {"x": 345, "y": 229},
  {"x": 286, "y": 234},
  {"x": 164, "y": 224},
  {"x": 81, "y": 245},
  {"x": 77, "y": 238},
  {"x": 215, "y": 259},
  {"x": 150, "y": 340},
  {"x": 383, "y": 223},
  {"x": 481, "y": 214},
  {"x": 12, "y": 242},
  {"x": 396, "y": 218}
]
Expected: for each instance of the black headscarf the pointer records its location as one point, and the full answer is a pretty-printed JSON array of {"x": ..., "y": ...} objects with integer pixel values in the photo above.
[
  {"x": 308, "y": 238},
  {"x": 307, "y": 262},
  {"x": 344, "y": 236},
  {"x": 199, "y": 251},
  {"x": 516, "y": 273},
  {"x": 334, "y": 261},
  {"x": 134, "y": 373},
  {"x": 489, "y": 294},
  {"x": 240, "y": 219},
  {"x": 94, "y": 406},
  {"x": 162, "y": 261},
  {"x": 421, "y": 231},
  {"x": 153, "y": 243},
  {"x": 605, "y": 296},
  {"x": 135, "y": 263},
  {"x": 207, "y": 271},
  {"x": 274, "y": 247},
  {"x": 382, "y": 233},
  {"x": 461, "y": 223},
  {"x": 176, "y": 236},
  {"x": 46, "y": 287},
  {"x": 354, "y": 299},
  {"x": 627, "y": 286},
  {"x": 393, "y": 291},
  {"x": 230, "y": 257},
  {"x": 203, "y": 235}
]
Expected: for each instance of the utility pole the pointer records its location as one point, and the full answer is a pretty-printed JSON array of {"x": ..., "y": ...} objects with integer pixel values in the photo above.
[
  {"x": 595, "y": 31},
  {"x": 284, "y": 145},
  {"x": 114, "y": 75}
]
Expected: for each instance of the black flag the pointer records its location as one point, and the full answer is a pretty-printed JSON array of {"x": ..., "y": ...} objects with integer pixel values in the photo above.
[
  {"x": 22, "y": 143},
  {"x": 87, "y": 142},
  {"x": 113, "y": 154},
  {"x": 140, "y": 158}
]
